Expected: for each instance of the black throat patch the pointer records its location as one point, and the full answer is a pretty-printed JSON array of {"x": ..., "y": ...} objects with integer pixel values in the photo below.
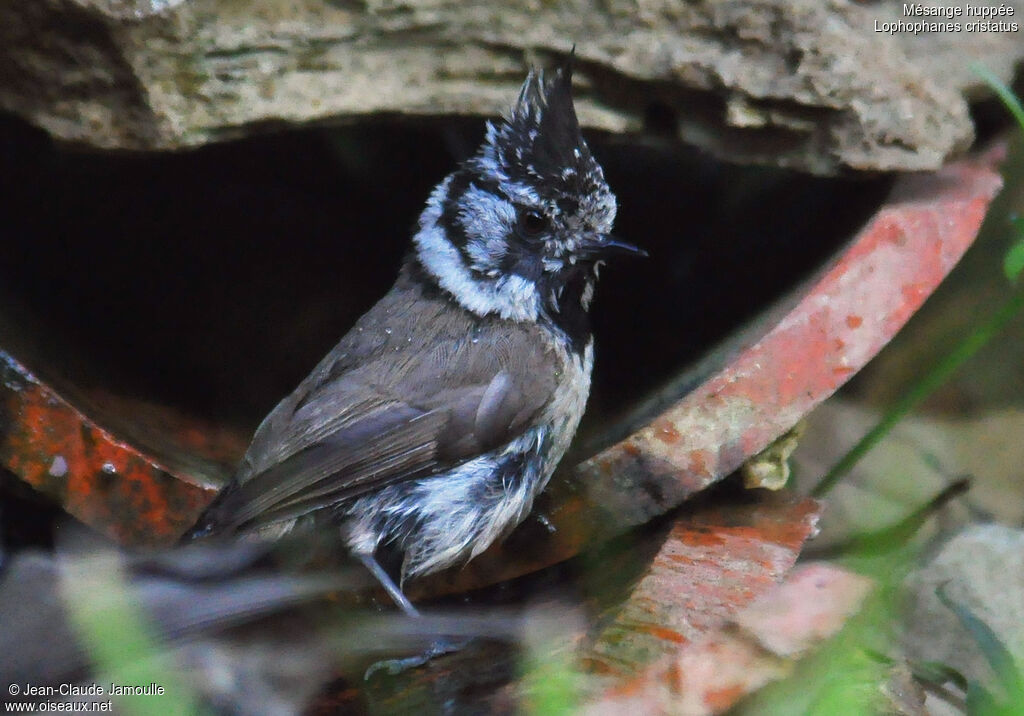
[{"x": 564, "y": 311}]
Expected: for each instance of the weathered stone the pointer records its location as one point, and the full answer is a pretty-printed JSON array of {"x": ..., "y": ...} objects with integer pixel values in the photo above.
[
  {"x": 982, "y": 570},
  {"x": 804, "y": 84}
]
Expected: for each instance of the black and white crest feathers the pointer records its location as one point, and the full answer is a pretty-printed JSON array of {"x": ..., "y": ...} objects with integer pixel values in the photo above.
[
  {"x": 539, "y": 143},
  {"x": 541, "y": 137}
]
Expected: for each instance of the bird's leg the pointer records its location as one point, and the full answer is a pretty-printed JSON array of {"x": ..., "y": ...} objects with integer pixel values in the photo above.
[
  {"x": 441, "y": 645},
  {"x": 393, "y": 590}
]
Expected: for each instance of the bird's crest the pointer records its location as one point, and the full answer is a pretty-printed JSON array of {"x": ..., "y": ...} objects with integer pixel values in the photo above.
[{"x": 539, "y": 142}]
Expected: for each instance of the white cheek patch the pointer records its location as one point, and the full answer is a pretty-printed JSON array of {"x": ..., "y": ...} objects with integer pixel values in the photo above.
[
  {"x": 487, "y": 219},
  {"x": 520, "y": 292},
  {"x": 485, "y": 214},
  {"x": 511, "y": 297}
]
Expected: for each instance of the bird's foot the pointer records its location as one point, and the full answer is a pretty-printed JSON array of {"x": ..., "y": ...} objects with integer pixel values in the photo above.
[{"x": 393, "y": 667}]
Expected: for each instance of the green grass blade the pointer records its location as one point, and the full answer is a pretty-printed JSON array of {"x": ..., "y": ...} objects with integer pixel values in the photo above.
[
  {"x": 1002, "y": 91},
  {"x": 119, "y": 640},
  {"x": 1013, "y": 262},
  {"x": 995, "y": 652}
]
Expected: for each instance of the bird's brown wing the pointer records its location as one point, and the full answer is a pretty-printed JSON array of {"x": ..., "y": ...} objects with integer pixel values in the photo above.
[
  {"x": 393, "y": 415},
  {"x": 391, "y": 443}
]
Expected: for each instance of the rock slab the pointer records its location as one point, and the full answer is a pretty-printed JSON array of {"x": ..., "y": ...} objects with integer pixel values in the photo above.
[{"x": 806, "y": 84}]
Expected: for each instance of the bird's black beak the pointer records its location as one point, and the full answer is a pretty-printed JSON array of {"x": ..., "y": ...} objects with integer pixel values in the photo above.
[{"x": 600, "y": 246}]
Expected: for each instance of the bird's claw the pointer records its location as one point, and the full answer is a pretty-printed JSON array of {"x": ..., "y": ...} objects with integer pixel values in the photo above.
[{"x": 393, "y": 667}]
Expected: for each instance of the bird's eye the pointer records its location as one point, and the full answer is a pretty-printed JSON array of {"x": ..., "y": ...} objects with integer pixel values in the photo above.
[{"x": 532, "y": 223}]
